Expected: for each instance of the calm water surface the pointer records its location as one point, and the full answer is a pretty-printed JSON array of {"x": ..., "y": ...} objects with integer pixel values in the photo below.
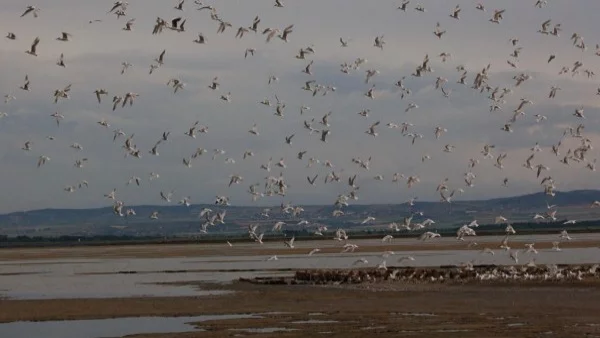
[
  {"x": 98, "y": 278},
  {"x": 116, "y": 327}
]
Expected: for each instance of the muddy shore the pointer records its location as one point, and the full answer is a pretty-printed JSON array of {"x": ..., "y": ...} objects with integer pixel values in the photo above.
[
  {"x": 197, "y": 250},
  {"x": 379, "y": 309}
]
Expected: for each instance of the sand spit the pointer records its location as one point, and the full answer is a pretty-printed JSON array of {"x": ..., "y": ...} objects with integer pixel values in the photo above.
[{"x": 449, "y": 274}]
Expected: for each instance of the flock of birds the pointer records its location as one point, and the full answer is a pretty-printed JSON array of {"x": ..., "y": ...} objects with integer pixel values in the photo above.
[{"x": 573, "y": 148}]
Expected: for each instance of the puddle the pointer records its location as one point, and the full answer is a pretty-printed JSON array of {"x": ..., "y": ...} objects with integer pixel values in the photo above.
[
  {"x": 314, "y": 321},
  {"x": 515, "y": 324},
  {"x": 504, "y": 318},
  {"x": 275, "y": 313},
  {"x": 453, "y": 330},
  {"x": 317, "y": 314},
  {"x": 265, "y": 330},
  {"x": 116, "y": 327},
  {"x": 372, "y": 328},
  {"x": 179, "y": 291},
  {"x": 416, "y": 314}
]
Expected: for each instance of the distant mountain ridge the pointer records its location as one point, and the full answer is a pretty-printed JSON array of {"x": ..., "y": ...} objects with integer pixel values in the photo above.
[{"x": 180, "y": 218}]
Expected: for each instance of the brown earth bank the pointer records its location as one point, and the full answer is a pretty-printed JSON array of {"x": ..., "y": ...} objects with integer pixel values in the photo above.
[
  {"x": 569, "y": 309},
  {"x": 197, "y": 250}
]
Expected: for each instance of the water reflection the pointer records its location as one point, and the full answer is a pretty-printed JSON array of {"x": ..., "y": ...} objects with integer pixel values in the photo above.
[
  {"x": 116, "y": 327},
  {"x": 100, "y": 278}
]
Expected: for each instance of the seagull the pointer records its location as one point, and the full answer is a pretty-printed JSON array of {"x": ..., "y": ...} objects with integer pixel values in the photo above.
[
  {"x": 429, "y": 235},
  {"x": 455, "y": 12},
  {"x": 565, "y": 235},
  {"x": 255, "y": 23},
  {"x": 249, "y": 51},
  {"x": 530, "y": 248},
  {"x": 64, "y": 37},
  {"x": 514, "y": 255},
  {"x": 31, "y": 9},
  {"x": 42, "y": 160},
  {"x": 201, "y": 39},
  {"x": 555, "y": 246},
  {"x": 488, "y": 251},
  {"x": 129, "y": 25},
  {"x": 438, "y": 31},
  {"x": 405, "y": 258},
  {"x": 497, "y": 17},
  {"x": 420, "y": 8},
  {"x": 214, "y": 84},
  {"x": 360, "y": 260},
  {"x": 288, "y": 139},
  {"x": 61, "y": 61},
  {"x": 314, "y": 251},
  {"x": 290, "y": 243},
  {"x": 33, "y": 49},
  {"x": 410, "y": 107},
  {"x": 379, "y": 42},
  {"x": 367, "y": 220},
  {"x": 403, "y": 5},
  {"x": 307, "y": 70},
  {"x": 161, "y": 57},
  {"x": 371, "y": 130}
]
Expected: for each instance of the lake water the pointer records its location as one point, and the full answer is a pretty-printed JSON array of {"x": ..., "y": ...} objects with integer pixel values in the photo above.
[
  {"x": 116, "y": 327},
  {"x": 98, "y": 278}
]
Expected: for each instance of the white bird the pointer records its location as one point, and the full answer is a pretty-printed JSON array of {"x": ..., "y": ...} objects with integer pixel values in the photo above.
[
  {"x": 64, "y": 37},
  {"x": 429, "y": 235},
  {"x": 565, "y": 235},
  {"x": 530, "y": 248},
  {"x": 31, "y": 9},
  {"x": 488, "y": 251},
  {"x": 367, "y": 220},
  {"x": 405, "y": 258},
  {"x": 314, "y": 251},
  {"x": 555, "y": 246},
  {"x": 290, "y": 243},
  {"x": 33, "y": 49}
]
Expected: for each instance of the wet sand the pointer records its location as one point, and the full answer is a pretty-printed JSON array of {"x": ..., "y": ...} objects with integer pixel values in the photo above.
[
  {"x": 270, "y": 248},
  {"x": 382, "y": 310}
]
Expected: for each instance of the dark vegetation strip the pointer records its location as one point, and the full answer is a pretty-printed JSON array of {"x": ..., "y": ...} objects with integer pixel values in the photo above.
[{"x": 303, "y": 235}]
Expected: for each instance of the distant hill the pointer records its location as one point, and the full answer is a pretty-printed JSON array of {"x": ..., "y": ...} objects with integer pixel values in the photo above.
[
  {"x": 568, "y": 198},
  {"x": 180, "y": 219}
]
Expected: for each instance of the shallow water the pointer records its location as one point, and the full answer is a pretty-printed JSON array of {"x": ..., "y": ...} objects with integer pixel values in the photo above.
[
  {"x": 314, "y": 321},
  {"x": 100, "y": 278},
  {"x": 116, "y": 327},
  {"x": 265, "y": 330}
]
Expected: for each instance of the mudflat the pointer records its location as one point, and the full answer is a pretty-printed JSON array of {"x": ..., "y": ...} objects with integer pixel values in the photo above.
[
  {"x": 270, "y": 248},
  {"x": 569, "y": 309}
]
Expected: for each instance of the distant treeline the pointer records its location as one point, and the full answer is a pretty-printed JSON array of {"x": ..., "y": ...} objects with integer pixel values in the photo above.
[{"x": 304, "y": 234}]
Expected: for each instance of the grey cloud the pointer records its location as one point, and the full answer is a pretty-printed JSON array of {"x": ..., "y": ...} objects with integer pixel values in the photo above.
[{"x": 95, "y": 54}]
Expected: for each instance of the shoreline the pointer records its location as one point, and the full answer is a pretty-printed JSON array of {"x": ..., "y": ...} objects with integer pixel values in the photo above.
[
  {"x": 377, "y": 305},
  {"x": 199, "y": 250},
  {"x": 73, "y": 241},
  {"x": 427, "y": 310}
]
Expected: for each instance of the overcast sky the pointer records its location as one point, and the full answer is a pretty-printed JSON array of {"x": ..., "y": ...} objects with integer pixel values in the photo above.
[{"x": 94, "y": 56}]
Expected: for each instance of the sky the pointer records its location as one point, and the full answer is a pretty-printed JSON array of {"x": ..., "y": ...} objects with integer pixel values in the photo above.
[{"x": 93, "y": 60}]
